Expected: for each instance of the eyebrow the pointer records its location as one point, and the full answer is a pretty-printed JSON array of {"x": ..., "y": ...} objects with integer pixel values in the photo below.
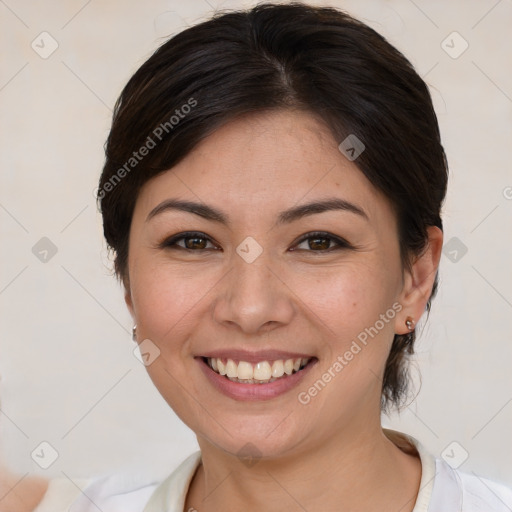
[{"x": 285, "y": 217}]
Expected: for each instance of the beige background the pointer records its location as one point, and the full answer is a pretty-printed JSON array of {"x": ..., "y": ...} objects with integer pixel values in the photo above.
[{"x": 69, "y": 377}]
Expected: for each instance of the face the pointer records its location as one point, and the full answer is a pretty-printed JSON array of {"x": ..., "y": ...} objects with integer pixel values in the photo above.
[{"x": 244, "y": 270}]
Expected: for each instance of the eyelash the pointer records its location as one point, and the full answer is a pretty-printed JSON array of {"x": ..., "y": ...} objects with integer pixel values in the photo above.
[{"x": 171, "y": 243}]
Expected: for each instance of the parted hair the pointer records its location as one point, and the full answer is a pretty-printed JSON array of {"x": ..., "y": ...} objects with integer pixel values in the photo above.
[{"x": 283, "y": 56}]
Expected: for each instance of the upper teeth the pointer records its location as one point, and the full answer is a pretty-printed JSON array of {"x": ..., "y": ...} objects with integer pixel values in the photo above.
[{"x": 261, "y": 371}]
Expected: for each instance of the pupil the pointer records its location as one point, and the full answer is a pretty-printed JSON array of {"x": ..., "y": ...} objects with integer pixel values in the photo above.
[
  {"x": 319, "y": 243},
  {"x": 195, "y": 243}
]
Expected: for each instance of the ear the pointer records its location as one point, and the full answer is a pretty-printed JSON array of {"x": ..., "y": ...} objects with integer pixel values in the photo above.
[
  {"x": 128, "y": 296},
  {"x": 419, "y": 280}
]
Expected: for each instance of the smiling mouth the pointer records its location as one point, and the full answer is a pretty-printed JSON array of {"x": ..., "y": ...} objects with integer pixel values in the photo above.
[{"x": 261, "y": 372}]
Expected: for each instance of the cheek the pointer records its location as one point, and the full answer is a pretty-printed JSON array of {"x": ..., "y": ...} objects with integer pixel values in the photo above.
[
  {"x": 347, "y": 298},
  {"x": 167, "y": 299},
  {"x": 348, "y": 303},
  {"x": 168, "y": 304},
  {"x": 353, "y": 308}
]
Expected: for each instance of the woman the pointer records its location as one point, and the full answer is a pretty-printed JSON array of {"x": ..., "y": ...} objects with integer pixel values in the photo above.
[{"x": 272, "y": 193}]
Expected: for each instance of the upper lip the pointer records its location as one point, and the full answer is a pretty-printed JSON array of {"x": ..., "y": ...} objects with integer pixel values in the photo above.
[{"x": 255, "y": 356}]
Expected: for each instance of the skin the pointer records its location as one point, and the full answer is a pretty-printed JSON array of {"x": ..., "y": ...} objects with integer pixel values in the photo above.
[
  {"x": 19, "y": 494},
  {"x": 330, "y": 454}
]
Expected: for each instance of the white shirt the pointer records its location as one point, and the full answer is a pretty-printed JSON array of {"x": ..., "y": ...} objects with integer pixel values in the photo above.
[{"x": 442, "y": 489}]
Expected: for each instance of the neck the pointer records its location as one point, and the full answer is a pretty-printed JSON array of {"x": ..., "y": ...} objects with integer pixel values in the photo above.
[{"x": 354, "y": 471}]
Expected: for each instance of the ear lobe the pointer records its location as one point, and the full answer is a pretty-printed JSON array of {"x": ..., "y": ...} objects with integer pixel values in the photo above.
[{"x": 419, "y": 280}]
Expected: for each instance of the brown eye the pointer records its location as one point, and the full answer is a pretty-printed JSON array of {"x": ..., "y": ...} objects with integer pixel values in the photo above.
[
  {"x": 190, "y": 241},
  {"x": 321, "y": 242},
  {"x": 195, "y": 243}
]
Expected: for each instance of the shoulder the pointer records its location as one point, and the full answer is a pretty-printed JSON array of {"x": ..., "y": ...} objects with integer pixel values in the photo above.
[
  {"x": 467, "y": 492},
  {"x": 446, "y": 489},
  {"x": 128, "y": 491},
  {"x": 125, "y": 492}
]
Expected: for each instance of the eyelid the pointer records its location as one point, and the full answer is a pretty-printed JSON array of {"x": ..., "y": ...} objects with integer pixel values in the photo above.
[
  {"x": 172, "y": 241},
  {"x": 341, "y": 242}
]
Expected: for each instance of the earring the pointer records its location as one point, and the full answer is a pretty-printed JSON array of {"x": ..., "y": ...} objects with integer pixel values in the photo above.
[
  {"x": 134, "y": 333},
  {"x": 409, "y": 322}
]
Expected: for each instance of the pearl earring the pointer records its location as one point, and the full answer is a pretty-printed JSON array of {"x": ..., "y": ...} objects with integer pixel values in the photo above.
[{"x": 409, "y": 322}]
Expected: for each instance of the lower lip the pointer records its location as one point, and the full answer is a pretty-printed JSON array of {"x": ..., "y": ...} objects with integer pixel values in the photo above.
[{"x": 253, "y": 392}]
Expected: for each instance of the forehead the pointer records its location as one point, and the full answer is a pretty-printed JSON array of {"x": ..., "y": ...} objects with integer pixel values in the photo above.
[
  {"x": 281, "y": 145},
  {"x": 266, "y": 161}
]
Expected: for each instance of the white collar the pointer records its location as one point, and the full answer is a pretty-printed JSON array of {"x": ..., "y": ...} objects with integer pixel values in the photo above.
[
  {"x": 428, "y": 466},
  {"x": 171, "y": 494}
]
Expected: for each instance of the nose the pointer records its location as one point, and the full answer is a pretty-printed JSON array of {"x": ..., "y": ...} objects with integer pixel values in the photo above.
[{"x": 254, "y": 297}]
